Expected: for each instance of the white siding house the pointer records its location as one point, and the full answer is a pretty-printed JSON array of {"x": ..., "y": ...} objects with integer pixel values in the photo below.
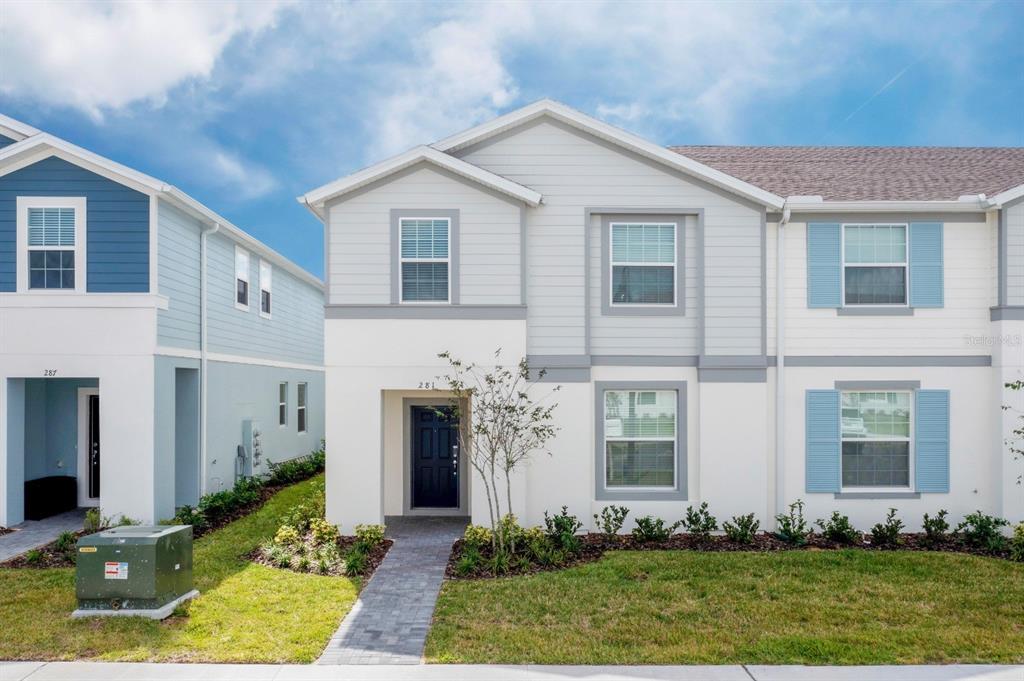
[{"x": 784, "y": 336}]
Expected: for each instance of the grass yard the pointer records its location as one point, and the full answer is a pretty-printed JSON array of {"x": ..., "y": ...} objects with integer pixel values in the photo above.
[
  {"x": 794, "y": 607},
  {"x": 245, "y": 613}
]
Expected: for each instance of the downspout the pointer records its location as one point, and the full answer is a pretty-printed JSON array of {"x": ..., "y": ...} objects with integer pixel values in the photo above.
[
  {"x": 780, "y": 361},
  {"x": 203, "y": 467}
]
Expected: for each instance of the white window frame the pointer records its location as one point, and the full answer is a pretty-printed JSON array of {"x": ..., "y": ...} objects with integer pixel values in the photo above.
[
  {"x": 674, "y": 439},
  {"x": 402, "y": 260},
  {"x": 909, "y": 487},
  {"x": 282, "y": 404},
  {"x": 905, "y": 264},
  {"x": 302, "y": 405},
  {"x": 628, "y": 263},
  {"x": 22, "y": 206},
  {"x": 242, "y": 253},
  {"x": 266, "y": 286}
]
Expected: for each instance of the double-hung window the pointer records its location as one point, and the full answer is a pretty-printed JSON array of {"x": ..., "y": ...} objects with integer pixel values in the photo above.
[
  {"x": 300, "y": 412},
  {"x": 424, "y": 260},
  {"x": 241, "y": 279},
  {"x": 640, "y": 433},
  {"x": 266, "y": 272},
  {"x": 643, "y": 263},
  {"x": 876, "y": 437},
  {"x": 875, "y": 264},
  {"x": 51, "y": 243},
  {"x": 282, "y": 404}
]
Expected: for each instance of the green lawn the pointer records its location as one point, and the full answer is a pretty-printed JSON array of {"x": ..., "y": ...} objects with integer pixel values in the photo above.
[
  {"x": 799, "y": 607},
  {"x": 245, "y": 613}
]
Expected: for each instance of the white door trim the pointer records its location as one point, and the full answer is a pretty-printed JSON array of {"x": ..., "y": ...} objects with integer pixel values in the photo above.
[{"x": 83, "y": 447}]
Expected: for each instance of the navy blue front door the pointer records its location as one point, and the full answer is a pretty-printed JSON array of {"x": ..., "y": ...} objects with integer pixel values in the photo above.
[{"x": 435, "y": 458}]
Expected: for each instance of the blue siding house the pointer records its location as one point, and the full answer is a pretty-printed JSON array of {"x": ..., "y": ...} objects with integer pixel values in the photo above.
[{"x": 150, "y": 351}]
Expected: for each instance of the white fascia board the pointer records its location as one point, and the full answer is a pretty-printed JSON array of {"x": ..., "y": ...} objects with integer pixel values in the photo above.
[
  {"x": 29, "y": 148},
  {"x": 15, "y": 129},
  {"x": 349, "y": 183},
  {"x": 797, "y": 206},
  {"x": 199, "y": 211},
  {"x": 628, "y": 140},
  {"x": 1003, "y": 198}
]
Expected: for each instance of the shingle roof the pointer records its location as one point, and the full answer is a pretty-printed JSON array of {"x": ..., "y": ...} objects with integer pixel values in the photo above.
[{"x": 869, "y": 173}]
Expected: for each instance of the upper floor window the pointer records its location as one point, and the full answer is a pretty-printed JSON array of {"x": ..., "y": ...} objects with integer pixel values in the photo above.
[
  {"x": 640, "y": 438},
  {"x": 876, "y": 435},
  {"x": 300, "y": 412},
  {"x": 643, "y": 263},
  {"x": 424, "y": 260},
  {"x": 51, "y": 239},
  {"x": 266, "y": 272},
  {"x": 241, "y": 279},
  {"x": 875, "y": 264}
]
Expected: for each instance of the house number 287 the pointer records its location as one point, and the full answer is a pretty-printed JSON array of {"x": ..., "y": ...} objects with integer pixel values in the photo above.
[{"x": 49, "y": 372}]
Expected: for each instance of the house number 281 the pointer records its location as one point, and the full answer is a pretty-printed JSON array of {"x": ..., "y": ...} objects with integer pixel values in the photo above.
[{"x": 49, "y": 372}]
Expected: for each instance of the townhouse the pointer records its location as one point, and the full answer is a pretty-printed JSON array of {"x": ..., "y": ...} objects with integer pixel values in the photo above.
[{"x": 150, "y": 351}]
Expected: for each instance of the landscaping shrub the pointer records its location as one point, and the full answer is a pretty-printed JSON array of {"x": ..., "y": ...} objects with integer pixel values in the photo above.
[
  {"x": 469, "y": 562},
  {"x": 511, "y": 532},
  {"x": 742, "y": 529},
  {"x": 189, "y": 515},
  {"x": 287, "y": 536},
  {"x": 65, "y": 544},
  {"x": 323, "y": 532},
  {"x": 610, "y": 520},
  {"x": 936, "y": 529},
  {"x": 356, "y": 561},
  {"x": 650, "y": 529},
  {"x": 792, "y": 526},
  {"x": 981, "y": 531},
  {"x": 369, "y": 536},
  {"x": 477, "y": 537},
  {"x": 92, "y": 520},
  {"x": 296, "y": 470},
  {"x": 561, "y": 530},
  {"x": 839, "y": 529},
  {"x": 699, "y": 522},
  {"x": 1017, "y": 543},
  {"x": 887, "y": 532},
  {"x": 33, "y": 556}
]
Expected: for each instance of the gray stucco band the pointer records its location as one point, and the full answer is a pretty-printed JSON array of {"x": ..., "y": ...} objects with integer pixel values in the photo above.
[
  {"x": 1006, "y": 312},
  {"x": 877, "y": 495},
  {"x": 885, "y": 361},
  {"x": 875, "y": 311},
  {"x": 563, "y": 375},
  {"x": 602, "y": 493},
  {"x": 609, "y": 310},
  {"x": 878, "y": 385},
  {"x": 397, "y": 214},
  {"x": 732, "y": 362},
  {"x": 425, "y": 311},
  {"x": 732, "y": 375}
]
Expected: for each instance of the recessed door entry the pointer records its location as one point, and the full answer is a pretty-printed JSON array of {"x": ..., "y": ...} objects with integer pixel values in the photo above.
[{"x": 435, "y": 458}]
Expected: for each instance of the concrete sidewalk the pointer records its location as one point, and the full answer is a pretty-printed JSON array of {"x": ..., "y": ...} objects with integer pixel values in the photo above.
[{"x": 123, "y": 671}]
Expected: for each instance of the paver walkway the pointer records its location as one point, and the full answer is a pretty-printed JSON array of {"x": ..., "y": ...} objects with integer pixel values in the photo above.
[
  {"x": 389, "y": 622},
  {"x": 32, "y": 534}
]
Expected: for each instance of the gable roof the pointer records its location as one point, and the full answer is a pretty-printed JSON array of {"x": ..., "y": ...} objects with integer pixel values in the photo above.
[
  {"x": 42, "y": 144},
  {"x": 15, "y": 129},
  {"x": 869, "y": 173},
  {"x": 617, "y": 136},
  {"x": 316, "y": 198}
]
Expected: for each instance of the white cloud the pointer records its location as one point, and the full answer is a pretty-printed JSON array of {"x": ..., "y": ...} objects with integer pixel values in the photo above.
[
  {"x": 249, "y": 180},
  {"x": 100, "y": 56}
]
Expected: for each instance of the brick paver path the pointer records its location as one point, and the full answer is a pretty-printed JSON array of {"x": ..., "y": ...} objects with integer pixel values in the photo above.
[
  {"x": 389, "y": 622},
  {"x": 32, "y": 534}
]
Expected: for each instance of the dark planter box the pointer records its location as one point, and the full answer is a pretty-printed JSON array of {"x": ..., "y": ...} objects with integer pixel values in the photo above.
[{"x": 45, "y": 497}]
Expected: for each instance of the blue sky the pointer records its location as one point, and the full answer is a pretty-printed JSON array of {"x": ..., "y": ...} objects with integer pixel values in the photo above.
[{"x": 248, "y": 105}]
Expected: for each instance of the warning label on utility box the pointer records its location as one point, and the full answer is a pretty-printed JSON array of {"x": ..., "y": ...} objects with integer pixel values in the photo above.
[{"x": 115, "y": 571}]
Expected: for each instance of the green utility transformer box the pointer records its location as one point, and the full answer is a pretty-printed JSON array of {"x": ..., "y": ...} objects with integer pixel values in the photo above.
[{"x": 134, "y": 570}]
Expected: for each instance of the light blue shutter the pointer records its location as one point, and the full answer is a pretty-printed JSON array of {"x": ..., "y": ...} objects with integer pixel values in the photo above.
[
  {"x": 931, "y": 442},
  {"x": 824, "y": 265},
  {"x": 926, "y": 278},
  {"x": 822, "y": 446}
]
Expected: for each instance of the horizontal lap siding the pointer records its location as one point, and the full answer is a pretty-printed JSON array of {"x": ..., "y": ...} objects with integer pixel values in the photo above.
[
  {"x": 360, "y": 239},
  {"x": 117, "y": 241},
  {"x": 178, "y": 278},
  {"x": 939, "y": 331},
  {"x": 1015, "y": 254},
  {"x": 574, "y": 171},
  {"x": 294, "y": 333}
]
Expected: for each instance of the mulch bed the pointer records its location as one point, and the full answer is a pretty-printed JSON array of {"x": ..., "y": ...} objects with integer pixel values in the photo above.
[
  {"x": 595, "y": 545},
  {"x": 373, "y": 559}
]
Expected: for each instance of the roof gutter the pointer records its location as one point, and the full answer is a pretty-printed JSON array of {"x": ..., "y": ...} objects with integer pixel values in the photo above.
[
  {"x": 203, "y": 353},
  {"x": 815, "y": 204},
  {"x": 780, "y": 359}
]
